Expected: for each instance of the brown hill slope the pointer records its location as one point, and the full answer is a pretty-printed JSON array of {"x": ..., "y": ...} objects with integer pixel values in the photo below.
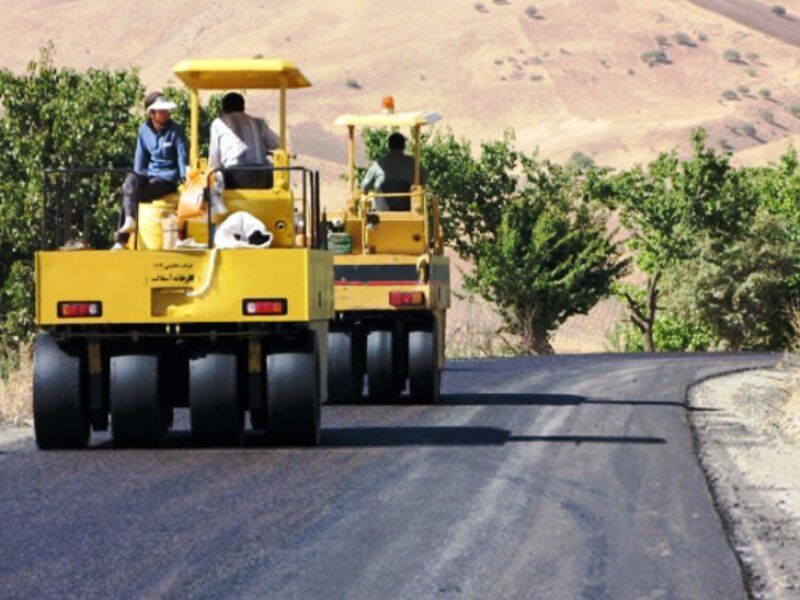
[{"x": 567, "y": 77}]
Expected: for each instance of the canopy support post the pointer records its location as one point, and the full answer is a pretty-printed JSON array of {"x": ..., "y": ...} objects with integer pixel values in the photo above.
[
  {"x": 194, "y": 125},
  {"x": 351, "y": 160},
  {"x": 283, "y": 116},
  {"x": 417, "y": 155}
]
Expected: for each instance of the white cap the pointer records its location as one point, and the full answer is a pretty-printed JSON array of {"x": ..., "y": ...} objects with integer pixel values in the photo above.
[{"x": 162, "y": 103}]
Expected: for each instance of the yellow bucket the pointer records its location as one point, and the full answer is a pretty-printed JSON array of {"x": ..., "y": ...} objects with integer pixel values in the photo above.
[{"x": 150, "y": 230}]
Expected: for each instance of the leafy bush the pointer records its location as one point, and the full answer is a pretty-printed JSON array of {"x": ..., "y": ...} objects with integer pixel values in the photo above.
[
  {"x": 753, "y": 56},
  {"x": 352, "y": 84},
  {"x": 767, "y": 115},
  {"x": 795, "y": 109},
  {"x": 662, "y": 40},
  {"x": 532, "y": 12},
  {"x": 732, "y": 55},
  {"x": 655, "y": 57},
  {"x": 671, "y": 333},
  {"x": 765, "y": 93},
  {"x": 702, "y": 37},
  {"x": 580, "y": 160},
  {"x": 743, "y": 90},
  {"x": 740, "y": 286},
  {"x": 730, "y": 95},
  {"x": 748, "y": 129},
  {"x": 778, "y": 10},
  {"x": 684, "y": 39}
]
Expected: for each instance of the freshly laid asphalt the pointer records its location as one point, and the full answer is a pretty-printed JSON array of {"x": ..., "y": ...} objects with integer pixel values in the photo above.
[{"x": 554, "y": 477}]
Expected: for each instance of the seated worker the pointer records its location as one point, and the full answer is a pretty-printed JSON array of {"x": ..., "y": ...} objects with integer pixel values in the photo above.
[
  {"x": 158, "y": 166},
  {"x": 393, "y": 173},
  {"x": 239, "y": 140}
]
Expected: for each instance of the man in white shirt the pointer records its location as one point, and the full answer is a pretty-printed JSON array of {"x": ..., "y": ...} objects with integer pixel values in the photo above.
[{"x": 239, "y": 140}]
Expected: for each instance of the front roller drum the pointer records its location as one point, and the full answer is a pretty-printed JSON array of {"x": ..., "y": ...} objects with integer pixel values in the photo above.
[
  {"x": 60, "y": 401},
  {"x": 423, "y": 367},
  {"x": 293, "y": 398},
  {"x": 138, "y": 415},
  {"x": 345, "y": 367},
  {"x": 216, "y": 411}
]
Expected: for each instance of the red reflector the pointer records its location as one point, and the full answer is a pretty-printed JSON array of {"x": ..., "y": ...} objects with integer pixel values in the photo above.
[
  {"x": 264, "y": 307},
  {"x": 406, "y": 298},
  {"x": 73, "y": 310}
]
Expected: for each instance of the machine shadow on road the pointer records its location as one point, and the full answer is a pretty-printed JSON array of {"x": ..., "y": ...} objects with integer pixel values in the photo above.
[
  {"x": 552, "y": 400},
  {"x": 369, "y": 437}
]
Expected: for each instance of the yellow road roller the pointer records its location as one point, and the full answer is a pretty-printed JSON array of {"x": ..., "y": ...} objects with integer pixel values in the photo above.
[
  {"x": 128, "y": 336},
  {"x": 391, "y": 282}
]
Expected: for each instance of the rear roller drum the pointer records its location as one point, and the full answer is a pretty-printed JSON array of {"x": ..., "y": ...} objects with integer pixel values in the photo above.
[
  {"x": 382, "y": 372},
  {"x": 423, "y": 368},
  {"x": 345, "y": 367},
  {"x": 293, "y": 398},
  {"x": 138, "y": 415},
  {"x": 214, "y": 400},
  {"x": 60, "y": 403}
]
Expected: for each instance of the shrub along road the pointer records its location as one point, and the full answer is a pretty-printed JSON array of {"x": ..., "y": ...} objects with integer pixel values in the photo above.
[{"x": 552, "y": 477}]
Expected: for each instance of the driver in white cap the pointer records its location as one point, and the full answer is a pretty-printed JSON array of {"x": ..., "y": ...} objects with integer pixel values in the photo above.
[{"x": 159, "y": 164}]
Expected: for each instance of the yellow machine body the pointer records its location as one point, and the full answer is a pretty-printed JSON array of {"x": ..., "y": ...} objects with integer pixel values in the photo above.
[
  {"x": 140, "y": 286},
  {"x": 172, "y": 321},
  {"x": 392, "y": 253},
  {"x": 151, "y": 287}
]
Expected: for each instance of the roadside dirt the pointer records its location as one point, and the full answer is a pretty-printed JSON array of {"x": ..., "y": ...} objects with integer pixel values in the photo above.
[{"x": 751, "y": 455}]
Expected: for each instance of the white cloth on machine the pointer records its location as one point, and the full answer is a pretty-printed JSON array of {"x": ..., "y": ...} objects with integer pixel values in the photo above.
[{"x": 242, "y": 230}]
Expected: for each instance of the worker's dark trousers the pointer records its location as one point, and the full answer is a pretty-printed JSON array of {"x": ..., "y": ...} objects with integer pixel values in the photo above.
[{"x": 140, "y": 188}]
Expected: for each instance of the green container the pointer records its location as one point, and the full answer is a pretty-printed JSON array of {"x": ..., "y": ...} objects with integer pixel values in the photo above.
[{"x": 340, "y": 243}]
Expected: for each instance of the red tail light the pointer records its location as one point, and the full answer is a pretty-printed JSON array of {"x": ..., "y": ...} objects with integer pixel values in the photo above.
[
  {"x": 400, "y": 299},
  {"x": 267, "y": 306},
  {"x": 79, "y": 310}
]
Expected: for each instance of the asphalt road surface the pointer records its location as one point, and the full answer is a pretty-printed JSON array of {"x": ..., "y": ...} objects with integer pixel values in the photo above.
[
  {"x": 756, "y": 15},
  {"x": 556, "y": 477}
]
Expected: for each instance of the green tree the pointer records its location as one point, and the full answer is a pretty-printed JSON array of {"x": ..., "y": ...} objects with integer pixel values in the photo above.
[
  {"x": 550, "y": 258},
  {"x": 741, "y": 287},
  {"x": 54, "y": 117},
  {"x": 665, "y": 208}
]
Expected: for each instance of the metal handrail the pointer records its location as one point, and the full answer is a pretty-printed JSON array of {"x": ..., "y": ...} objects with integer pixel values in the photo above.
[
  {"x": 310, "y": 194},
  {"x": 312, "y": 177},
  {"x": 49, "y": 171}
]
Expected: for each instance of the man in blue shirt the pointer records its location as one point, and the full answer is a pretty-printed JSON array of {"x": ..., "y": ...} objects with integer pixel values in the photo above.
[{"x": 159, "y": 164}]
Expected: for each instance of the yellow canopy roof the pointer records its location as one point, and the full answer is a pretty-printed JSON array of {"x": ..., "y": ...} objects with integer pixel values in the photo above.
[
  {"x": 240, "y": 73},
  {"x": 406, "y": 119}
]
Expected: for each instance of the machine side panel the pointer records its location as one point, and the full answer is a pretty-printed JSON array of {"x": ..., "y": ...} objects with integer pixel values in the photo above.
[{"x": 175, "y": 287}]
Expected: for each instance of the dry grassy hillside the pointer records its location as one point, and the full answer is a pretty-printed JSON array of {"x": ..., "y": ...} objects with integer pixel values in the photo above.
[{"x": 567, "y": 75}]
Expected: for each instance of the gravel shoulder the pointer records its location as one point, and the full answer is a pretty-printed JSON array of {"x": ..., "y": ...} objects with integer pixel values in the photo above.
[
  {"x": 15, "y": 437},
  {"x": 751, "y": 456}
]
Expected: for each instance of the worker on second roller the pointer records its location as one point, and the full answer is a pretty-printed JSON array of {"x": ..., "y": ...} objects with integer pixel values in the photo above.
[
  {"x": 159, "y": 164},
  {"x": 239, "y": 140},
  {"x": 393, "y": 173}
]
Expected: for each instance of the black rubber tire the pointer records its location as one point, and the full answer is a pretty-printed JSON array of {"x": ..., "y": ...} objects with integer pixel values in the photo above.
[
  {"x": 381, "y": 367},
  {"x": 345, "y": 368},
  {"x": 138, "y": 415},
  {"x": 215, "y": 404},
  {"x": 60, "y": 402},
  {"x": 423, "y": 368},
  {"x": 293, "y": 398}
]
